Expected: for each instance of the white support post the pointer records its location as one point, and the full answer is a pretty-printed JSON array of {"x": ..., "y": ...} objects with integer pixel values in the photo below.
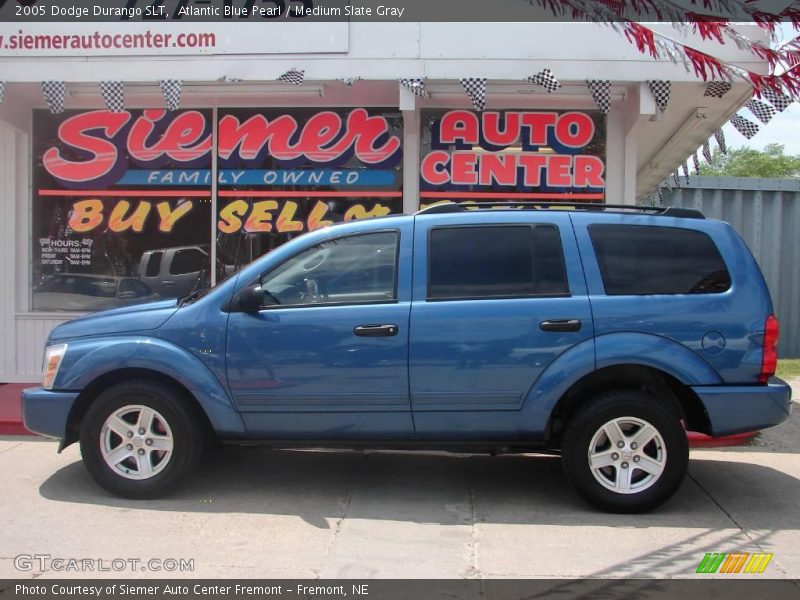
[
  {"x": 411, "y": 149},
  {"x": 639, "y": 108},
  {"x": 214, "y": 185}
]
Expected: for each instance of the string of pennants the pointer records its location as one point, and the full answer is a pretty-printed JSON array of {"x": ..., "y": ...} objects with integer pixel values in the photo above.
[
  {"x": 113, "y": 92},
  {"x": 776, "y": 102}
]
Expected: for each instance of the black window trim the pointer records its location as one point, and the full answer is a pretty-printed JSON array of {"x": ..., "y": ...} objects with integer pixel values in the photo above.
[
  {"x": 670, "y": 294},
  {"x": 151, "y": 260},
  {"x": 394, "y": 300},
  {"x": 530, "y": 226}
]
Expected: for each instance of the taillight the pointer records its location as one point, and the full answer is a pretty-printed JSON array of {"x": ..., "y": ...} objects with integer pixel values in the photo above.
[{"x": 769, "y": 352}]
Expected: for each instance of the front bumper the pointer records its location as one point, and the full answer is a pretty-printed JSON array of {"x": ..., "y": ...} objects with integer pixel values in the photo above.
[
  {"x": 46, "y": 412},
  {"x": 736, "y": 409}
]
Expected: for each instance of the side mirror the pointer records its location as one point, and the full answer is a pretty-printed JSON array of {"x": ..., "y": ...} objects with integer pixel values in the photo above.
[{"x": 250, "y": 299}]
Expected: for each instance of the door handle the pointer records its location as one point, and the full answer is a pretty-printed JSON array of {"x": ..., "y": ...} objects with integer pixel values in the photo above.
[
  {"x": 375, "y": 330},
  {"x": 167, "y": 283},
  {"x": 560, "y": 325}
]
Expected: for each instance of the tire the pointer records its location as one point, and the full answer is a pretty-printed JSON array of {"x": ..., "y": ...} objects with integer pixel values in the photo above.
[
  {"x": 132, "y": 464},
  {"x": 615, "y": 478}
]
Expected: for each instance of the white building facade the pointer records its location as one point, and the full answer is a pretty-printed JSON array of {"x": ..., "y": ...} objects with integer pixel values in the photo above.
[{"x": 103, "y": 208}]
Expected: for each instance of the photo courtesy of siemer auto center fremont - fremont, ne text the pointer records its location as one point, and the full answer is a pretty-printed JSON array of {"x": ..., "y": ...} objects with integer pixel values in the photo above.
[{"x": 453, "y": 299}]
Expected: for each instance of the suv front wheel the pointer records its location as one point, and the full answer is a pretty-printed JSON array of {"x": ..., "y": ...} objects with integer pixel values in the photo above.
[
  {"x": 624, "y": 452},
  {"x": 139, "y": 438}
]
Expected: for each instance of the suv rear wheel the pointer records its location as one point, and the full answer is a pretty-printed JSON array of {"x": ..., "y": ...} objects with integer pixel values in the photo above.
[
  {"x": 624, "y": 452},
  {"x": 139, "y": 438}
]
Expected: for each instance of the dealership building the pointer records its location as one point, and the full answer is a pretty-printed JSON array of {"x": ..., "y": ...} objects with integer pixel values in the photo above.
[{"x": 230, "y": 139}]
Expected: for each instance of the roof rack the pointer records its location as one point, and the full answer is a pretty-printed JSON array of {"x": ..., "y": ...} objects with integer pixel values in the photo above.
[{"x": 663, "y": 211}]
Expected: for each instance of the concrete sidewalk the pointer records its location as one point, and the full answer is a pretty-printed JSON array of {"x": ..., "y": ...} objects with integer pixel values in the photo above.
[{"x": 306, "y": 514}]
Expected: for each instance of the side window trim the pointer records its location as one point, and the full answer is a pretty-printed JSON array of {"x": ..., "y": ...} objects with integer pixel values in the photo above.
[
  {"x": 394, "y": 300},
  {"x": 531, "y": 227}
]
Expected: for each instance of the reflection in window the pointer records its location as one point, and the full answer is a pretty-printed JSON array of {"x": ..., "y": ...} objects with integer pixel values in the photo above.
[{"x": 354, "y": 269}]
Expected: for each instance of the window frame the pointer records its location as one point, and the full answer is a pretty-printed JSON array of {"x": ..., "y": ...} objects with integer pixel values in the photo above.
[
  {"x": 531, "y": 227},
  {"x": 597, "y": 226},
  {"x": 177, "y": 253},
  {"x": 151, "y": 259},
  {"x": 395, "y": 284}
]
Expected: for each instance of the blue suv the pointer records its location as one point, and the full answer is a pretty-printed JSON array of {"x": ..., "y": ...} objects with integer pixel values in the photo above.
[{"x": 600, "y": 333}]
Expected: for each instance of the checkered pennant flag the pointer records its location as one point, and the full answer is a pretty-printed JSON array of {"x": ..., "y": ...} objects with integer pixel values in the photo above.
[
  {"x": 747, "y": 128},
  {"x": 546, "y": 79},
  {"x": 2, "y": 90},
  {"x": 293, "y": 76},
  {"x": 348, "y": 81},
  {"x": 777, "y": 98},
  {"x": 114, "y": 95},
  {"x": 696, "y": 163},
  {"x": 601, "y": 92},
  {"x": 476, "y": 90},
  {"x": 676, "y": 180},
  {"x": 720, "y": 137},
  {"x": 718, "y": 89},
  {"x": 660, "y": 90},
  {"x": 415, "y": 85},
  {"x": 763, "y": 111},
  {"x": 171, "y": 88},
  {"x": 54, "y": 92},
  {"x": 685, "y": 169},
  {"x": 707, "y": 151}
]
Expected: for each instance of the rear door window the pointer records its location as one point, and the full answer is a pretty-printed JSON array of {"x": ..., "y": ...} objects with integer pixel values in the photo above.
[
  {"x": 643, "y": 260},
  {"x": 503, "y": 261}
]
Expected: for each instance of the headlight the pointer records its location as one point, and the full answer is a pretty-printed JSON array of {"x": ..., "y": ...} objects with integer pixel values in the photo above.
[{"x": 52, "y": 361}]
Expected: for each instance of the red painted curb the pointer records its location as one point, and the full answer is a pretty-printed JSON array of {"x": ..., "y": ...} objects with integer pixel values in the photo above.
[
  {"x": 13, "y": 428},
  {"x": 11, "y": 409},
  {"x": 701, "y": 440}
]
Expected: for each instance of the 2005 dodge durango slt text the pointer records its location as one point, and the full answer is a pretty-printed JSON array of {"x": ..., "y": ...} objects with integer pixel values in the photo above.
[{"x": 600, "y": 333}]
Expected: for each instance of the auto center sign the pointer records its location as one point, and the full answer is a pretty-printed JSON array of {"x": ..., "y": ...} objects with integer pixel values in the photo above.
[{"x": 557, "y": 154}]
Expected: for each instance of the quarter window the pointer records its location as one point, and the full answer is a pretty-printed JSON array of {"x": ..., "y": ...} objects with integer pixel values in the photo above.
[
  {"x": 642, "y": 259},
  {"x": 496, "y": 262}
]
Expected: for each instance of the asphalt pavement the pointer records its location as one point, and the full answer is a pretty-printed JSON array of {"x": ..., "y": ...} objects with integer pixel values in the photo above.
[{"x": 253, "y": 512}]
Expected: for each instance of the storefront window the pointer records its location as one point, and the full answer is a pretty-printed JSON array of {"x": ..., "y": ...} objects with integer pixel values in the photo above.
[
  {"x": 122, "y": 201},
  {"x": 284, "y": 172},
  {"x": 503, "y": 156}
]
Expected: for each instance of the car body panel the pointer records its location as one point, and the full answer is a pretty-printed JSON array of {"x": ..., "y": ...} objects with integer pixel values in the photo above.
[
  {"x": 126, "y": 319},
  {"x": 87, "y": 360},
  {"x": 736, "y": 317},
  {"x": 46, "y": 412},
  {"x": 736, "y": 409},
  {"x": 473, "y": 356},
  {"x": 307, "y": 359},
  {"x": 457, "y": 370}
]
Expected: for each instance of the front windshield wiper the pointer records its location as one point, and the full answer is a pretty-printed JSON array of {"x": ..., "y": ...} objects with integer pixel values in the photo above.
[{"x": 195, "y": 295}]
